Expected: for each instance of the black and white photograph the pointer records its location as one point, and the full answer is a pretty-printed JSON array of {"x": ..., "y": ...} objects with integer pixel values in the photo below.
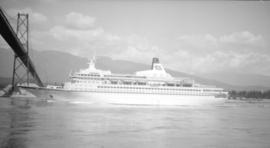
[{"x": 134, "y": 74}]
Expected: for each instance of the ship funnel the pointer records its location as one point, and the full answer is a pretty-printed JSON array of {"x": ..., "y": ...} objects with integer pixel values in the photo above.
[{"x": 155, "y": 60}]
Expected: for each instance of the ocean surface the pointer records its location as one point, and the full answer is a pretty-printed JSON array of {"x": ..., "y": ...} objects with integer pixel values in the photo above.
[{"x": 37, "y": 123}]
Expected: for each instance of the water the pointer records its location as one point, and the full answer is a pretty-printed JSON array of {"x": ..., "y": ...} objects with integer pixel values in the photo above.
[{"x": 32, "y": 123}]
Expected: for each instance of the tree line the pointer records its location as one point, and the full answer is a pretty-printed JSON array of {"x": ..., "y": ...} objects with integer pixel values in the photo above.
[{"x": 249, "y": 94}]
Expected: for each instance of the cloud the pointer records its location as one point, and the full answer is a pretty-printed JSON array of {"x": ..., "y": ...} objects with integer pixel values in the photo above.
[
  {"x": 244, "y": 37},
  {"x": 85, "y": 42},
  {"x": 34, "y": 17},
  {"x": 198, "y": 44},
  {"x": 38, "y": 17},
  {"x": 198, "y": 40},
  {"x": 233, "y": 52},
  {"x": 191, "y": 53},
  {"x": 64, "y": 33},
  {"x": 80, "y": 21}
]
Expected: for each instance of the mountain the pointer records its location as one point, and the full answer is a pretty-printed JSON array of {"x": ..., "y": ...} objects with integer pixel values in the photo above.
[
  {"x": 242, "y": 79},
  {"x": 55, "y": 66}
]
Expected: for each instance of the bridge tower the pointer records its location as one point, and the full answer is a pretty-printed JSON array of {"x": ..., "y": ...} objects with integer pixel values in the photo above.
[
  {"x": 21, "y": 70},
  {"x": 19, "y": 43}
]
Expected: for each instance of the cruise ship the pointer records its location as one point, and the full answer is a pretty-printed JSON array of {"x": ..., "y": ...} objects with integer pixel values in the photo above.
[{"x": 150, "y": 87}]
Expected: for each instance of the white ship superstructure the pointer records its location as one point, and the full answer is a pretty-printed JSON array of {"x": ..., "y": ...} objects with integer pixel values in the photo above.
[{"x": 154, "y": 86}]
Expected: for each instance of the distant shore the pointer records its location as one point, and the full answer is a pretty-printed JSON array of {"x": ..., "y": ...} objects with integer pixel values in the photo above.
[{"x": 244, "y": 95}]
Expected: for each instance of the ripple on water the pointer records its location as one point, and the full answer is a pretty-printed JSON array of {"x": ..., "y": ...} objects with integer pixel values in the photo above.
[{"x": 40, "y": 123}]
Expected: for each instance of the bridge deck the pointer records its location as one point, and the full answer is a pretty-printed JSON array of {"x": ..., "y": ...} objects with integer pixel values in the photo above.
[{"x": 11, "y": 38}]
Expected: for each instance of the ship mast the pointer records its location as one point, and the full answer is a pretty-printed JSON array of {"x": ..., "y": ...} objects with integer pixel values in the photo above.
[{"x": 92, "y": 63}]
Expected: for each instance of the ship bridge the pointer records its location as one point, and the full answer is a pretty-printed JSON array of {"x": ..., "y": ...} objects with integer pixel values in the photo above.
[{"x": 157, "y": 71}]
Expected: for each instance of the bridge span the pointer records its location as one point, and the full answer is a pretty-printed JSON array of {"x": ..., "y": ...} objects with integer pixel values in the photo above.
[{"x": 11, "y": 38}]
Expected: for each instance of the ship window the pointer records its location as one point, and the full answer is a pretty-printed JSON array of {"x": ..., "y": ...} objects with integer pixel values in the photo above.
[{"x": 157, "y": 67}]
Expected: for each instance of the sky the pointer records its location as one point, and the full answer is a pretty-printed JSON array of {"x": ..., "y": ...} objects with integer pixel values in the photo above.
[{"x": 196, "y": 37}]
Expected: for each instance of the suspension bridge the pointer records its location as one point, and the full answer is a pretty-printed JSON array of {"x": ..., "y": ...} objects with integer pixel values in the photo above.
[{"x": 18, "y": 42}]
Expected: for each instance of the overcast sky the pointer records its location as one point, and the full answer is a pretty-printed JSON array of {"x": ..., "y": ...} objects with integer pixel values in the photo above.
[{"x": 189, "y": 36}]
